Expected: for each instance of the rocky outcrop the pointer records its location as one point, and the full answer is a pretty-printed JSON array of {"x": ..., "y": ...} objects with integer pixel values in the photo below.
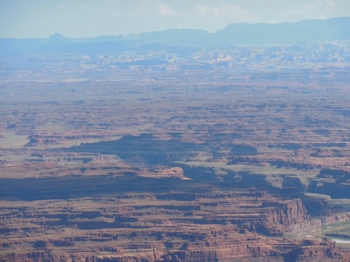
[
  {"x": 287, "y": 212},
  {"x": 317, "y": 251},
  {"x": 45, "y": 256},
  {"x": 291, "y": 215},
  {"x": 220, "y": 251},
  {"x": 332, "y": 219}
]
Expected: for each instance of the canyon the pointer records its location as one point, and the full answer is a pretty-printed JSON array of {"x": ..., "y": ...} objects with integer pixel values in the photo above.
[{"x": 170, "y": 152}]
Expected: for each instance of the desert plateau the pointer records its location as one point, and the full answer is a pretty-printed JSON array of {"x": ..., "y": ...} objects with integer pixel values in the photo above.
[{"x": 177, "y": 146}]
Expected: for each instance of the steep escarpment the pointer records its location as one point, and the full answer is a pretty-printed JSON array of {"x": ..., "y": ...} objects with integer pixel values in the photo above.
[
  {"x": 193, "y": 225},
  {"x": 145, "y": 149},
  {"x": 227, "y": 174}
]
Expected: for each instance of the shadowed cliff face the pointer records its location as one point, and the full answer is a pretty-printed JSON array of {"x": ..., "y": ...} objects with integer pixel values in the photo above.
[
  {"x": 149, "y": 150},
  {"x": 81, "y": 186},
  {"x": 144, "y": 149}
]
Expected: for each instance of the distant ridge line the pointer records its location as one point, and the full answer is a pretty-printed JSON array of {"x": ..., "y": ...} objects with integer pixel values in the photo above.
[{"x": 233, "y": 34}]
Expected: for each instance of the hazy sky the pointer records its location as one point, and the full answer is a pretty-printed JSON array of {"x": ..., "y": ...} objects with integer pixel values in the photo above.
[{"x": 79, "y": 18}]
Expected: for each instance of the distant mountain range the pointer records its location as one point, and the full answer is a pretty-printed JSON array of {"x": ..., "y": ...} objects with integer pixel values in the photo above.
[{"x": 232, "y": 35}]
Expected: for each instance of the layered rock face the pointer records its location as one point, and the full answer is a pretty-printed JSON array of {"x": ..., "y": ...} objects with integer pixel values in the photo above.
[
  {"x": 248, "y": 250},
  {"x": 229, "y": 225},
  {"x": 287, "y": 212}
]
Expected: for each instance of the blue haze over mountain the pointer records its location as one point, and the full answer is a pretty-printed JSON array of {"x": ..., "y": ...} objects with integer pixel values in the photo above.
[{"x": 233, "y": 34}]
